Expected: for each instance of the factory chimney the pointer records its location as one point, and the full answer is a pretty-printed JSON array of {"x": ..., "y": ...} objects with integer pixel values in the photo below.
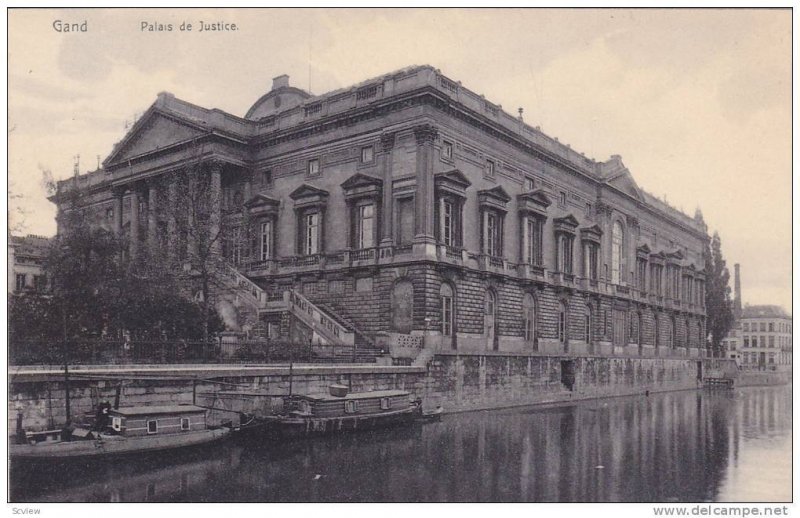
[{"x": 737, "y": 290}]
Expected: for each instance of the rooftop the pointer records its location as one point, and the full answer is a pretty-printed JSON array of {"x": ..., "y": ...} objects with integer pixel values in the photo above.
[{"x": 764, "y": 311}]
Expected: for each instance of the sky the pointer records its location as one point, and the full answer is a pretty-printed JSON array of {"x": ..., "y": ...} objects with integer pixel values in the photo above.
[{"x": 697, "y": 102}]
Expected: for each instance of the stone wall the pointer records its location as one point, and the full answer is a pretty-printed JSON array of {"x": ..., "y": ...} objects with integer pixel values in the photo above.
[{"x": 458, "y": 382}]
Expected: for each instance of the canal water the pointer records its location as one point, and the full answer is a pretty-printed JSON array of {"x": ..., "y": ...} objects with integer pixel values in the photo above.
[{"x": 672, "y": 447}]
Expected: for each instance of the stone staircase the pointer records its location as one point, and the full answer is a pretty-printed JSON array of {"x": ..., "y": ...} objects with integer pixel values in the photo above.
[{"x": 327, "y": 326}]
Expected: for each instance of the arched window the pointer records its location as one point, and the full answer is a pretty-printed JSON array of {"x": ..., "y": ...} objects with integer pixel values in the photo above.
[
  {"x": 529, "y": 318},
  {"x": 562, "y": 323},
  {"x": 617, "y": 239},
  {"x": 671, "y": 329},
  {"x": 657, "y": 332},
  {"x": 587, "y": 325},
  {"x": 639, "y": 328},
  {"x": 686, "y": 333},
  {"x": 446, "y": 294},
  {"x": 402, "y": 306},
  {"x": 490, "y": 319}
]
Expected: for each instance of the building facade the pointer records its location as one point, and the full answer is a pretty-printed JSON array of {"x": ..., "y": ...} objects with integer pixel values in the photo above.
[
  {"x": 26, "y": 256},
  {"x": 405, "y": 208},
  {"x": 766, "y": 337}
]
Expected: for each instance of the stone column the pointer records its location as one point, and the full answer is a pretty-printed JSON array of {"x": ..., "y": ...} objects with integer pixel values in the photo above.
[
  {"x": 172, "y": 222},
  {"x": 152, "y": 219},
  {"x": 118, "y": 212},
  {"x": 387, "y": 144},
  {"x": 215, "y": 218},
  {"x": 134, "y": 243},
  {"x": 248, "y": 186},
  {"x": 425, "y": 134}
]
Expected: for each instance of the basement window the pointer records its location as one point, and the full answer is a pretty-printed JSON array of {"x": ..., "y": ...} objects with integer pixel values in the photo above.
[
  {"x": 185, "y": 425},
  {"x": 385, "y": 403},
  {"x": 152, "y": 427},
  {"x": 351, "y": 407}
]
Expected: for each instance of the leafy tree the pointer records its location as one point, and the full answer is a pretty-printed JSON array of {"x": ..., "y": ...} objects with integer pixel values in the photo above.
[{"x": 719, "y": 306}]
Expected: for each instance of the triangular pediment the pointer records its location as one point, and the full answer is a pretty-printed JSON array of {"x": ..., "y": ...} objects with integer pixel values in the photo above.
[
  {"x": 658, "y": 255},
  {"x": 594, "y": 229},
  {"x": 692, "y": 267},
  {"x": 643, "y": 249},
  {"x": 261, "y": 200},
  {"x": 623, "y": 180},
  {"x": 454, "y": 177},
  {"x": 496, "y": 193},
  {"x": 677, "y": 254},
  {"x": 153, "y": 131},
  {"x": 361, "y": 180},
  {"x": 308, "y": 191},
  {"x": 537, "y": 197},
  {"x": 566, "y": 221}
]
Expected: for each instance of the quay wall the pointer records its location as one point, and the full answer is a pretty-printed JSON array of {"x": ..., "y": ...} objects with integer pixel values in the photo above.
[{"x": 457, "y": 382}]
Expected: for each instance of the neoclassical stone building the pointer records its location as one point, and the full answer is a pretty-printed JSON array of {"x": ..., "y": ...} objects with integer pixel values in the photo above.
[{"x": 406, "y": 208}]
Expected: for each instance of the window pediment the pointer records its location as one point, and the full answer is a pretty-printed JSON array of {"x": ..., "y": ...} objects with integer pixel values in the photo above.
[
  {"x": 593, "y": 233},
  {"x": 262, "y": 204},
  {"x": 676, "y": 255},
  {"x": 452, "y": 182},
  {"x": 643, "y": 250},
  {"x": 495, "y": 198},
  {"x": 362, "y": 186},
  {"x": 534, "y": 201},
  {"x": 307, "y": 195},
  {"x": 566, "y": 224},
  {"x": 659, "y": 256}
]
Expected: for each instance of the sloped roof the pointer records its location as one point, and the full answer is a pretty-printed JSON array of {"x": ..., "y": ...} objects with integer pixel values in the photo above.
[{"x": 764, "y": 311}]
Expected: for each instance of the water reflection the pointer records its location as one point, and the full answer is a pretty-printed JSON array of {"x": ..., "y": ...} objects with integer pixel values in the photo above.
[{"x": 682, "y": 446}]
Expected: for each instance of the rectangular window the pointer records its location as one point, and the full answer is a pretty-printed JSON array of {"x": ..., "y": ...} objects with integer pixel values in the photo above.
[
  {"x": 385, "y": 403},
  {"x": 110, "y": 214},
  {"x": 447, "y": 315},
  {"x": 116, "y": 424},
  {"x": 745, "y": 327},
  {"x": 533, "y": 241},
  {"x": 367, "y": 154},
  {"x": 266, "y": 179},
  {"x": 762, "y": 341},
  {"x": 590, "y": 261},
  {"x": 565, "y": 253},
  {"x": 771, "y": 327},
  {"x": 185, "y": 424},
  {"x": 771, "y": 340},
  {"x": 311, "y": 235},
  {"x": 641, "y": 273},
  {"x": 530, "y": 183},
  {"x": 366, "y": 226},
  {"x": 490, "y": 168},
  {"x": 494, "y": 244},
  {"x": 152, "y": 426},
  {"x": 313, "y": 167},
  {"x": 351, "y": 407},
  {"x": 19, "y": 282},
  {"x": 746, "y": 341},
  {"x": 447, "y": 223},
  {"x": 562, "y": 199},
  {"x": 447, "y": 150},
  {"x": 266, "y": 241},
  {"x": 762, "y": 327}
]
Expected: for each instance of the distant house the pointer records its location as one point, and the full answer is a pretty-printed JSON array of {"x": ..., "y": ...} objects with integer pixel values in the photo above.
[{"x": 26, "y": 257}]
